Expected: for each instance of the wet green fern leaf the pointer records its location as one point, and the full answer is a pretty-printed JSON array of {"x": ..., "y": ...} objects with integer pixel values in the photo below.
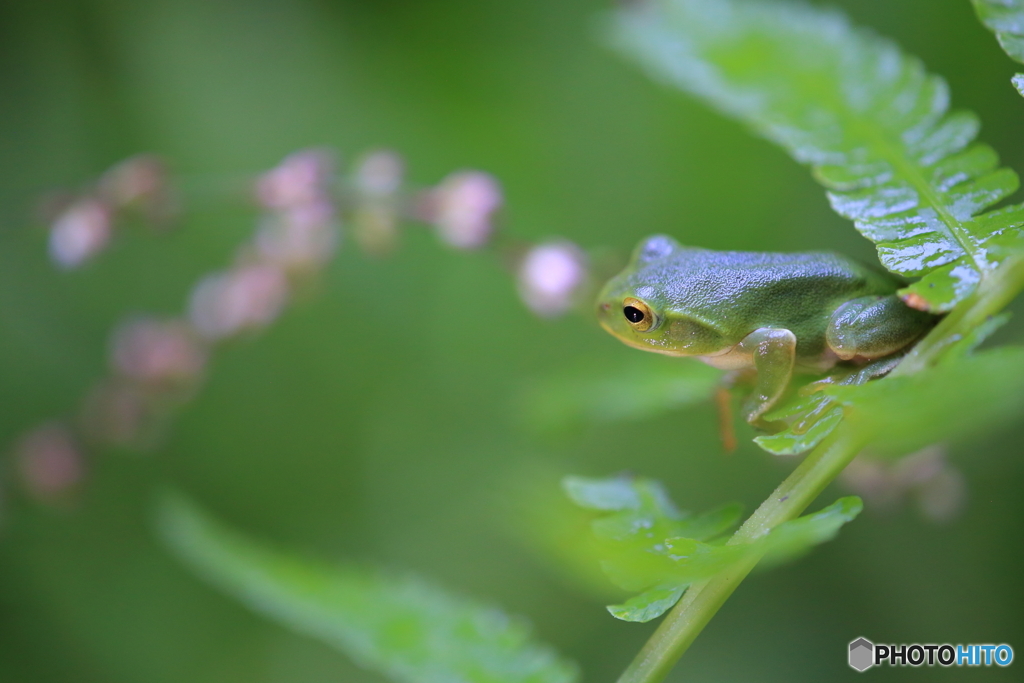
[{"x": 1005, "y": 18}]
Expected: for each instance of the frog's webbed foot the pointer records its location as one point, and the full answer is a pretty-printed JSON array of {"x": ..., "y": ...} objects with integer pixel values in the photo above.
[
  {"x": 837, "y": 375},
  {"x": 773, "y": 355},
  {"x": 846, "y": 377},
  {"x": 877, "y": 368}
]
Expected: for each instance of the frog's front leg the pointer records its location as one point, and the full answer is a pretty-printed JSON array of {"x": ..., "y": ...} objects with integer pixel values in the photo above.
[
  {"x": 874, "y": 327},
  {"x": 773, "y": 355}
]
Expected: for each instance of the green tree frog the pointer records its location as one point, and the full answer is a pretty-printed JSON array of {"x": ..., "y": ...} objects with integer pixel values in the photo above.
[{"x": 770, "y": 313}]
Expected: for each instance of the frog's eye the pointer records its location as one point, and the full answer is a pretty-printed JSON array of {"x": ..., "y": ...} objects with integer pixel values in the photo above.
[{"x": 638, "y": 314}]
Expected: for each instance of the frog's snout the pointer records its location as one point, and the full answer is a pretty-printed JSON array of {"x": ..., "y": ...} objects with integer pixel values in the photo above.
[{"x": 604, "y": 309}]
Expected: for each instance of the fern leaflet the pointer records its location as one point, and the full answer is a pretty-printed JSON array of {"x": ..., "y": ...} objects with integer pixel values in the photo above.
[
  {"x": 1005, "y": 18},
  {"x": 650, "y": 547},
  {"x": 400, "y": 626}
]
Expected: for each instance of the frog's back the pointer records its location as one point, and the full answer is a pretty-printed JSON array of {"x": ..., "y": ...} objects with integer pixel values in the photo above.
[{"x": 764, "y": 289}]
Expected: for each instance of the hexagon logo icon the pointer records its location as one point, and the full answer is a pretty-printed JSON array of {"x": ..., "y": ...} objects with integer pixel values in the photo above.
[{"x": 862, "y": 654}]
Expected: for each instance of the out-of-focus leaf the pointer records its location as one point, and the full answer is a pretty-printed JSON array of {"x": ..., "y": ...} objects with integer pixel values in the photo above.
[
  {"x": 794, "y": 538},
  {"x": 647, "y": 546},
  {"x": 555, "y": 529},
  {"x": 633, "y": 539},
  {"x": 643, "y": 386},
  {"x": 620, "y": 493},
  {"x": 647, "y": 606},
  {"x": 870, "y": 120},
  {"x": 402, "y": 627},
  {"x": 962, "y": 396},
  {"x": 644, "y": 513},
  {"x": 1005, "y": 18},
  {"x": 966, "y": 344}
]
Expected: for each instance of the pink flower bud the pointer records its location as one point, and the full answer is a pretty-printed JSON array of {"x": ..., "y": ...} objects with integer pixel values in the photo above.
[
  {"x": 462, "y": 208},
  {"x": 157, "y": 352},
  {"x": 300, "y": 238},
  {"x": 140, "y": 185},
  {"x": 379, "y": 174},
  {"x": 247, "y": 297},
  {"x": 550, "y": 276},
  {"x": 49, "y": 461},
  {"x": 82, "y": 231},
  {"x": 141, "y": 178},
  {"x": 302, "y": 178}
]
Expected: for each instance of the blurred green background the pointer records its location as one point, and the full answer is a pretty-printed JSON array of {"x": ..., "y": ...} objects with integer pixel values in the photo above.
[{"x": 402, "y": 444}]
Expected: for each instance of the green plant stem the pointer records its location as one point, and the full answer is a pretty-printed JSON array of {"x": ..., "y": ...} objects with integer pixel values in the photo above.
[
  {"x": 703, "y": 600},
  {"x": 700, "y": 603}
]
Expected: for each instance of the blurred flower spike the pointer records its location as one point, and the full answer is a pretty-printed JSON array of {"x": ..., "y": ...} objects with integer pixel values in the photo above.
[
  {"x": 84, "y": 228},
  {"x": 462, "y": 208},
  {"x": 49, "y": 462},
  {"x": 551, "y": 277},
  {"x": 157, "y": 364},
  {"x": 299, "y": 233}
]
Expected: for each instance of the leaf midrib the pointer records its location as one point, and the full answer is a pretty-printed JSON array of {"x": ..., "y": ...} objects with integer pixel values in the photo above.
[{"x": 893, "y": 152}]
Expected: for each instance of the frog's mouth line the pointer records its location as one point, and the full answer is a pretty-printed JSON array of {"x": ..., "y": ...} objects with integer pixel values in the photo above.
[{"x": 637, "y": 344}]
